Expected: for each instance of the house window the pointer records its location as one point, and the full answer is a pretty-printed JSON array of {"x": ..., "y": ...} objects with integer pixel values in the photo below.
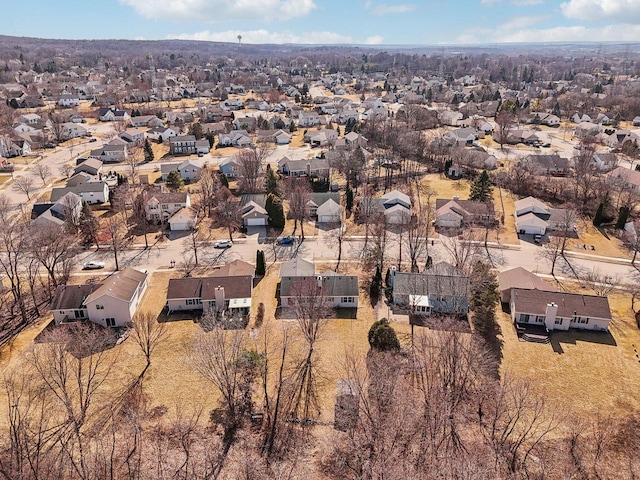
[
  {"x": 111, "y": 322},
  {"x": 193, "y": 301},
  {"x": 99, "y": 307},
  {"x": 558, "y": 321},
  {"x": 348, "y": 299},
  {"x": 79, "y": 314},
  {"x": 524, "y": 317},
  {"x": 540, "y": 318}
]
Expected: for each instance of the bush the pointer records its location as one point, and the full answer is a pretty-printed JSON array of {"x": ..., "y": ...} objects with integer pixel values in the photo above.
[{"x": 382, "y": 337}]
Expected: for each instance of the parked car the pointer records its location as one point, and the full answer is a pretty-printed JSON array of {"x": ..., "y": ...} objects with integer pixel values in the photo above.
[
  {"x": 537, "y": 238},
  {"x": 93, "y": 265},
  {"x": 285, "y": 240},
  {"x": 223, "y": 244},
  {"x": 93, "y": 139}
]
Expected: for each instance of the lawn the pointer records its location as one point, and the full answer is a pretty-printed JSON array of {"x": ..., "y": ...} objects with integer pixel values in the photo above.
[
  {"x": 582, "y": 373},
  {"x": 605, "y": 244}
]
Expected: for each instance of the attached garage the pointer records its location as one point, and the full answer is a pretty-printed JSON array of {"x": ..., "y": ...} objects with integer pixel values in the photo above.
[
  {"x": 329, "y": 212},
  {"x": 255, "y": 222},
  {"x": 530, "y": 224}
]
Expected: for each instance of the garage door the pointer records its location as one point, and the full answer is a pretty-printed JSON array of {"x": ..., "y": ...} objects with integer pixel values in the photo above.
[{"x": 256, "y": 222}]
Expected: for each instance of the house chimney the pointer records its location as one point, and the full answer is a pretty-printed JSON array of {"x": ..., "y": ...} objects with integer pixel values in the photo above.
[
  {"x": 319, "y": 278},
  {"x": 219, "y": 296},
  {"x": 550, "y": 315},
  {"x": 456, "y": 198}
]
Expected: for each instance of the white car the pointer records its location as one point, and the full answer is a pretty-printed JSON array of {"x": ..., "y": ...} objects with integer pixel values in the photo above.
[
  {"x": 223, "y": 244},
  {"x": 93, "y": 265}
]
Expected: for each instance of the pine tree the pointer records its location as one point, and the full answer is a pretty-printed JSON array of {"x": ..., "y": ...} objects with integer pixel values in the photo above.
[
  {"x": 273, "y": 206},
  {"x": 481, "y": 188},
  {"x": 349, "y": 198},
  {"x": 174, "y": 181},
  {"x": 260, "y": 263},
  {"x": 271, "y": 181},
  {"x": 223, "y": 180},
  {"x": 383, "y": 337},
  {"x": 148, "y": 151},
  {"x": 623, "y": 216},
  {"x": 597, "y": 218}
]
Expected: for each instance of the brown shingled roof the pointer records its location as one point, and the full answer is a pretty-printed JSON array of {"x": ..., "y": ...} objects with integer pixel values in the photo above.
[{"x": 569, "y": 304}]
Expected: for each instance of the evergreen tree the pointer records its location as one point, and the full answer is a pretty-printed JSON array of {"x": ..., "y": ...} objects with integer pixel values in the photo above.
[
  {"x": 292, "y": 127},
  {"x": 382, "y": 337},
  {"x": 274, "y": 208},
  {"x": 481, "y": 188},
  {"x": 174, "y": 181},
  {"x": 349, "y": 198},
  {"x": 148, "y": 151},
  {"x": 260, "y": 263},
  {"x": 223, "y": 180},
  {"x": 597, "y": 218},
  {"x": 271, "y": 181},
  {"x": 623, "y": 216}
]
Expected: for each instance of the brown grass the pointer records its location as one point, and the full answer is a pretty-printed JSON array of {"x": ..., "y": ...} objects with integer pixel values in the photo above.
[
  {"x": 588, "y": 376},
  {"x": 590, "y": 235}
]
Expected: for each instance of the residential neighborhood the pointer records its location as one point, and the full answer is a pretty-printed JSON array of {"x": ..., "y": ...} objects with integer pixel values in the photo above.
[{"x": 354, "y": 247}]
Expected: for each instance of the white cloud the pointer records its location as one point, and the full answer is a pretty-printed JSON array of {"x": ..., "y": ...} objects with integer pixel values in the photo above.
[
  {"x": 577, "y": 33},
  {"x": 374, "y": 40},
  {"x": 265, "y": 36},
  {"x": 594, "y": 10},
  {"x": 221, "y": 10},
  {"x": 489, "y": 2},
  {"x": 517, "y": 23},
  {"x": 385, "y": 9}
]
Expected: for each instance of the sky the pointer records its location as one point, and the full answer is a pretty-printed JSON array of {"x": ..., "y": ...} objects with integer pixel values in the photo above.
[{"x": 372, "y": 22}]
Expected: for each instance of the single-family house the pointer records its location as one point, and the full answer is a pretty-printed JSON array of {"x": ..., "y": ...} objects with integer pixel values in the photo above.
[
  {"x": 161, "y": 134},
  {"x": 560, "y": 310},
  {"x": 605, "y": 162},
  {"x": 146, "y": 121},
  {"x": 70, "y": 130},
  {"x": 184, "y": 219},
  {"x": 133, "y": 136},
  {"x": 253, "y": 212},
  {"x": 67, "y": 100},
  {"x": 92, "y": 166},
  {"x": 440, "y": 289},
  {"x": 66, "y": 209},
  {"x": 248, "y": 124},
  {"x": 329, "y": 212},
  {"x": 279, "y": 137},
  {"x": 310, "y": 119},
  {"x": 462, "y": 136},
  {"x": 182, "y": 145},
  {"x": 235, "y": 138},
  {"x": 336, "y": 291},
  {"x": 311, "y": 167},
  {"x": 629, "y": 179},
  {"x": 228, "y": 294},
  {"x": 547, "y": 164},
  {"x": 523, "y": 279},
  {"x": 229, "y": 167},
  {"x": 90, "y": 192},
  {"x": 30, "y": 118},
  {"x": 203, "y": 146},
  {"x": 454, "y": 213},
  {"x": 321, "y": 138},
  {"x": 533, "y": 217},
  {"x": 162, "y": 205},
  {"x": 112, "y": 152},
  {"x": 112, "y": 303},
  {"x": 112, "y": 114}
]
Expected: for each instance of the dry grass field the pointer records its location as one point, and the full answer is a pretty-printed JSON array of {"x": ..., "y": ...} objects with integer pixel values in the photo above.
[{"x": 582, "y": 373}]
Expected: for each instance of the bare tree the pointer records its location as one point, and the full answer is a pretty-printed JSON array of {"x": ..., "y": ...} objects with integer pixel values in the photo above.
[
  {"x": 209, "y": 186},
  {"x": 42, "y": 171},
  {"x": 53, "y": 247},
  {"x": 57, "y": 122},
  {"x": 505, "y": 119},
  {"x": 25, "y": 184},
  {"x": 374, "y": 251},
  {"x": 250, "y": 161},
  {"x": 298, "y": 193},
  {"x": 601, "y": 284},
  {"x": 148, "y": 333},
  {"x": 115, "y": 226},
  {"x": 584, "y": 175},
  {"x": 310, "y": 306},
  {"x": 134, "y": 158},
  {"x": 227, "y": 212},
  {"x": 67, "y": 169},
  {"x": 464, "y": 251}
]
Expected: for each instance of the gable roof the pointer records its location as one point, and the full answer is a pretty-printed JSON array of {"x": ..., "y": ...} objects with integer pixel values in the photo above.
[
  {"x": 234, "y": 287},
  {"x": 332, "y": 285},
  {"x": 121, "y": 285},
  {"x": 297, "y": 267},
  {"x": 236, "y": 268},
  {"x": 524, "y": 279},
  {"x": 569, "y": 304},
  {"x": 72, "y": 296}
]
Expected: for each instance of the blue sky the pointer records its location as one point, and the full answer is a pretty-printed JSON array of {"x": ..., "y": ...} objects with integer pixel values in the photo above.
[{"x": 390, "y": 22}]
